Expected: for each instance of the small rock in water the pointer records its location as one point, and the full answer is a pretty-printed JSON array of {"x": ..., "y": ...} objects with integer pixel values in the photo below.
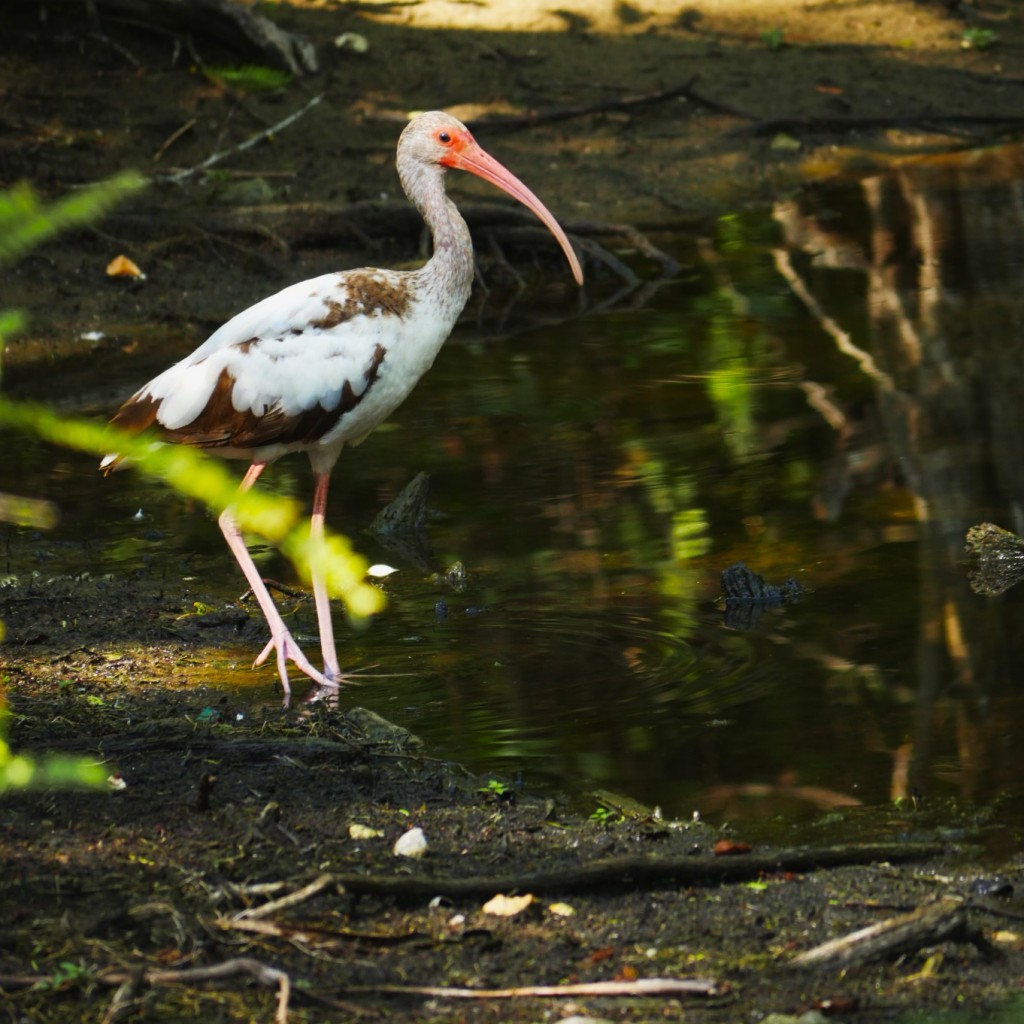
[
  {"x": 992, "y": 886},
  {"x": 747, "y": 595},
  {"x": 997, "y": 559},
  {"x": 455, "y": 576},
  {"x": 372, "y": 728},
  {"x": 744, "y": 586},
  {"x": 408, "y": 511}
]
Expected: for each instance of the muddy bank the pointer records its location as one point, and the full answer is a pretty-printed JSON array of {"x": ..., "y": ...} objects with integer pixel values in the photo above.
[
  {"x": 215, "y": 817},
  {"x": 737, "y": 105}
]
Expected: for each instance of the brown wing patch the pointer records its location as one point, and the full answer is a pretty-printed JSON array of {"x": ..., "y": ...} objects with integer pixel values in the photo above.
[
  {"x": 366, "y": 295},
  {"x": 337, "y": 313},
  {"x": 221, "y": 425},
  {"x": 136, "y": 415},
  {"x": 387, "y": 295}
]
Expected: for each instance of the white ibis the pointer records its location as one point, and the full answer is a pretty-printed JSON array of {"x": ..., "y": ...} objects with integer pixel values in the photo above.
[{"x": 321, "y": 363}]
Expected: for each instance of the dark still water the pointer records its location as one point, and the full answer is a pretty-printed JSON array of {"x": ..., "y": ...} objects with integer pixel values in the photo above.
[{"x": 832, "y": 391}]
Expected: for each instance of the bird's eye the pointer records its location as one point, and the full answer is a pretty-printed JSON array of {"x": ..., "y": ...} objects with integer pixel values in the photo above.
[{"x": 444, "y": 138}]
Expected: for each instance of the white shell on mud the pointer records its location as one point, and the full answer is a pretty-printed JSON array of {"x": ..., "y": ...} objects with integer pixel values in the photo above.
[{"x": 411, "y": 844}]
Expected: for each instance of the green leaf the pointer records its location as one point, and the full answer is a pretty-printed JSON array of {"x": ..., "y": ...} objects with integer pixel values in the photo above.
[
  {"x": 250, "y": 78},
  {"x": 25, "y": 221},
  {"x": 190, "y": 472}
]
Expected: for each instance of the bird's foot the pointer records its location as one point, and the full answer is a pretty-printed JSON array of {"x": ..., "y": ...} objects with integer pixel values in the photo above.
[{"x": 288, "y": 650}]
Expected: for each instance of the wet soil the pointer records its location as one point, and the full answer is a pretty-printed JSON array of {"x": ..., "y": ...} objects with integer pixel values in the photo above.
[
  {"x": 217, "y": 811},
  {"x": 214, "y": 813}
]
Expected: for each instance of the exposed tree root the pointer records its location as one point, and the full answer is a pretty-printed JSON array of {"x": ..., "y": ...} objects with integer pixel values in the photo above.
[{"x": 233, "y": 24}]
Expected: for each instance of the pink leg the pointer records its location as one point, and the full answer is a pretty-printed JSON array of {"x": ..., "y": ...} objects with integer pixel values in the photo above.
[
  {"x": 323, "y": 605},
  {"x": 281, "y": 639}
]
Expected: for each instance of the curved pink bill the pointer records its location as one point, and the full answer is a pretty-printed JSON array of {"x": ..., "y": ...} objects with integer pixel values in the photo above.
[{"x": 470, "y": 157}]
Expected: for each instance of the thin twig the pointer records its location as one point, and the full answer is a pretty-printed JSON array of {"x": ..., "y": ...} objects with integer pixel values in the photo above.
[
  {"x": 639, "y": 987},
  {"x": 281, "y": 588},
  {"x": 260, "y": 136},
  {"x": 291, "y": 900},
  {"x": 173, "y": 138},
  {"x": 303, "y": 935}
]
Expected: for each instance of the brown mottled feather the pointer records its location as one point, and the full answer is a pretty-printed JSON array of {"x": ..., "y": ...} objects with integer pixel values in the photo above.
[
  {"x": 221, "y": 425},
  {"x": 365, "y": 294}
]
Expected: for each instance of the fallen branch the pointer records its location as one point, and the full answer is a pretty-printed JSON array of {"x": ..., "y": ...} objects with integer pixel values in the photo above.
[
  {"x": 756, "y": 125},
  {"x": 634, "y": 871},
  {"x": 943, "y": 920},
  {"x": 854, "y": 122},
  {"x": 632, "y": 237},
  {"x": 620, "y": 103},
  {"x": 234, "y": 24}
]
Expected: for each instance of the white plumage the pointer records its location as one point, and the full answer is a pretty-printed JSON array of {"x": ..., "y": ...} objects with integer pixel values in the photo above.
[{"x": 322, "y": 362}]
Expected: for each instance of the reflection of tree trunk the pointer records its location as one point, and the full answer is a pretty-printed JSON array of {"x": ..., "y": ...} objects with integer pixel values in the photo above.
[
  {"x": 944, "y": 265},
  {"x": 931, "y": 420}
]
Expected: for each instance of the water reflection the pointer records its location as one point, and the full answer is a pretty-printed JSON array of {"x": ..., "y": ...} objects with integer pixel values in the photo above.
[
  {"x": 935, "y": 250},
  {"x": 830, "y": 391}
]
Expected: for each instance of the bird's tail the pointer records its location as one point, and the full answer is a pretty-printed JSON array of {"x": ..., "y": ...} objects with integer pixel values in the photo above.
[{"x": 113, "y": 462}]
